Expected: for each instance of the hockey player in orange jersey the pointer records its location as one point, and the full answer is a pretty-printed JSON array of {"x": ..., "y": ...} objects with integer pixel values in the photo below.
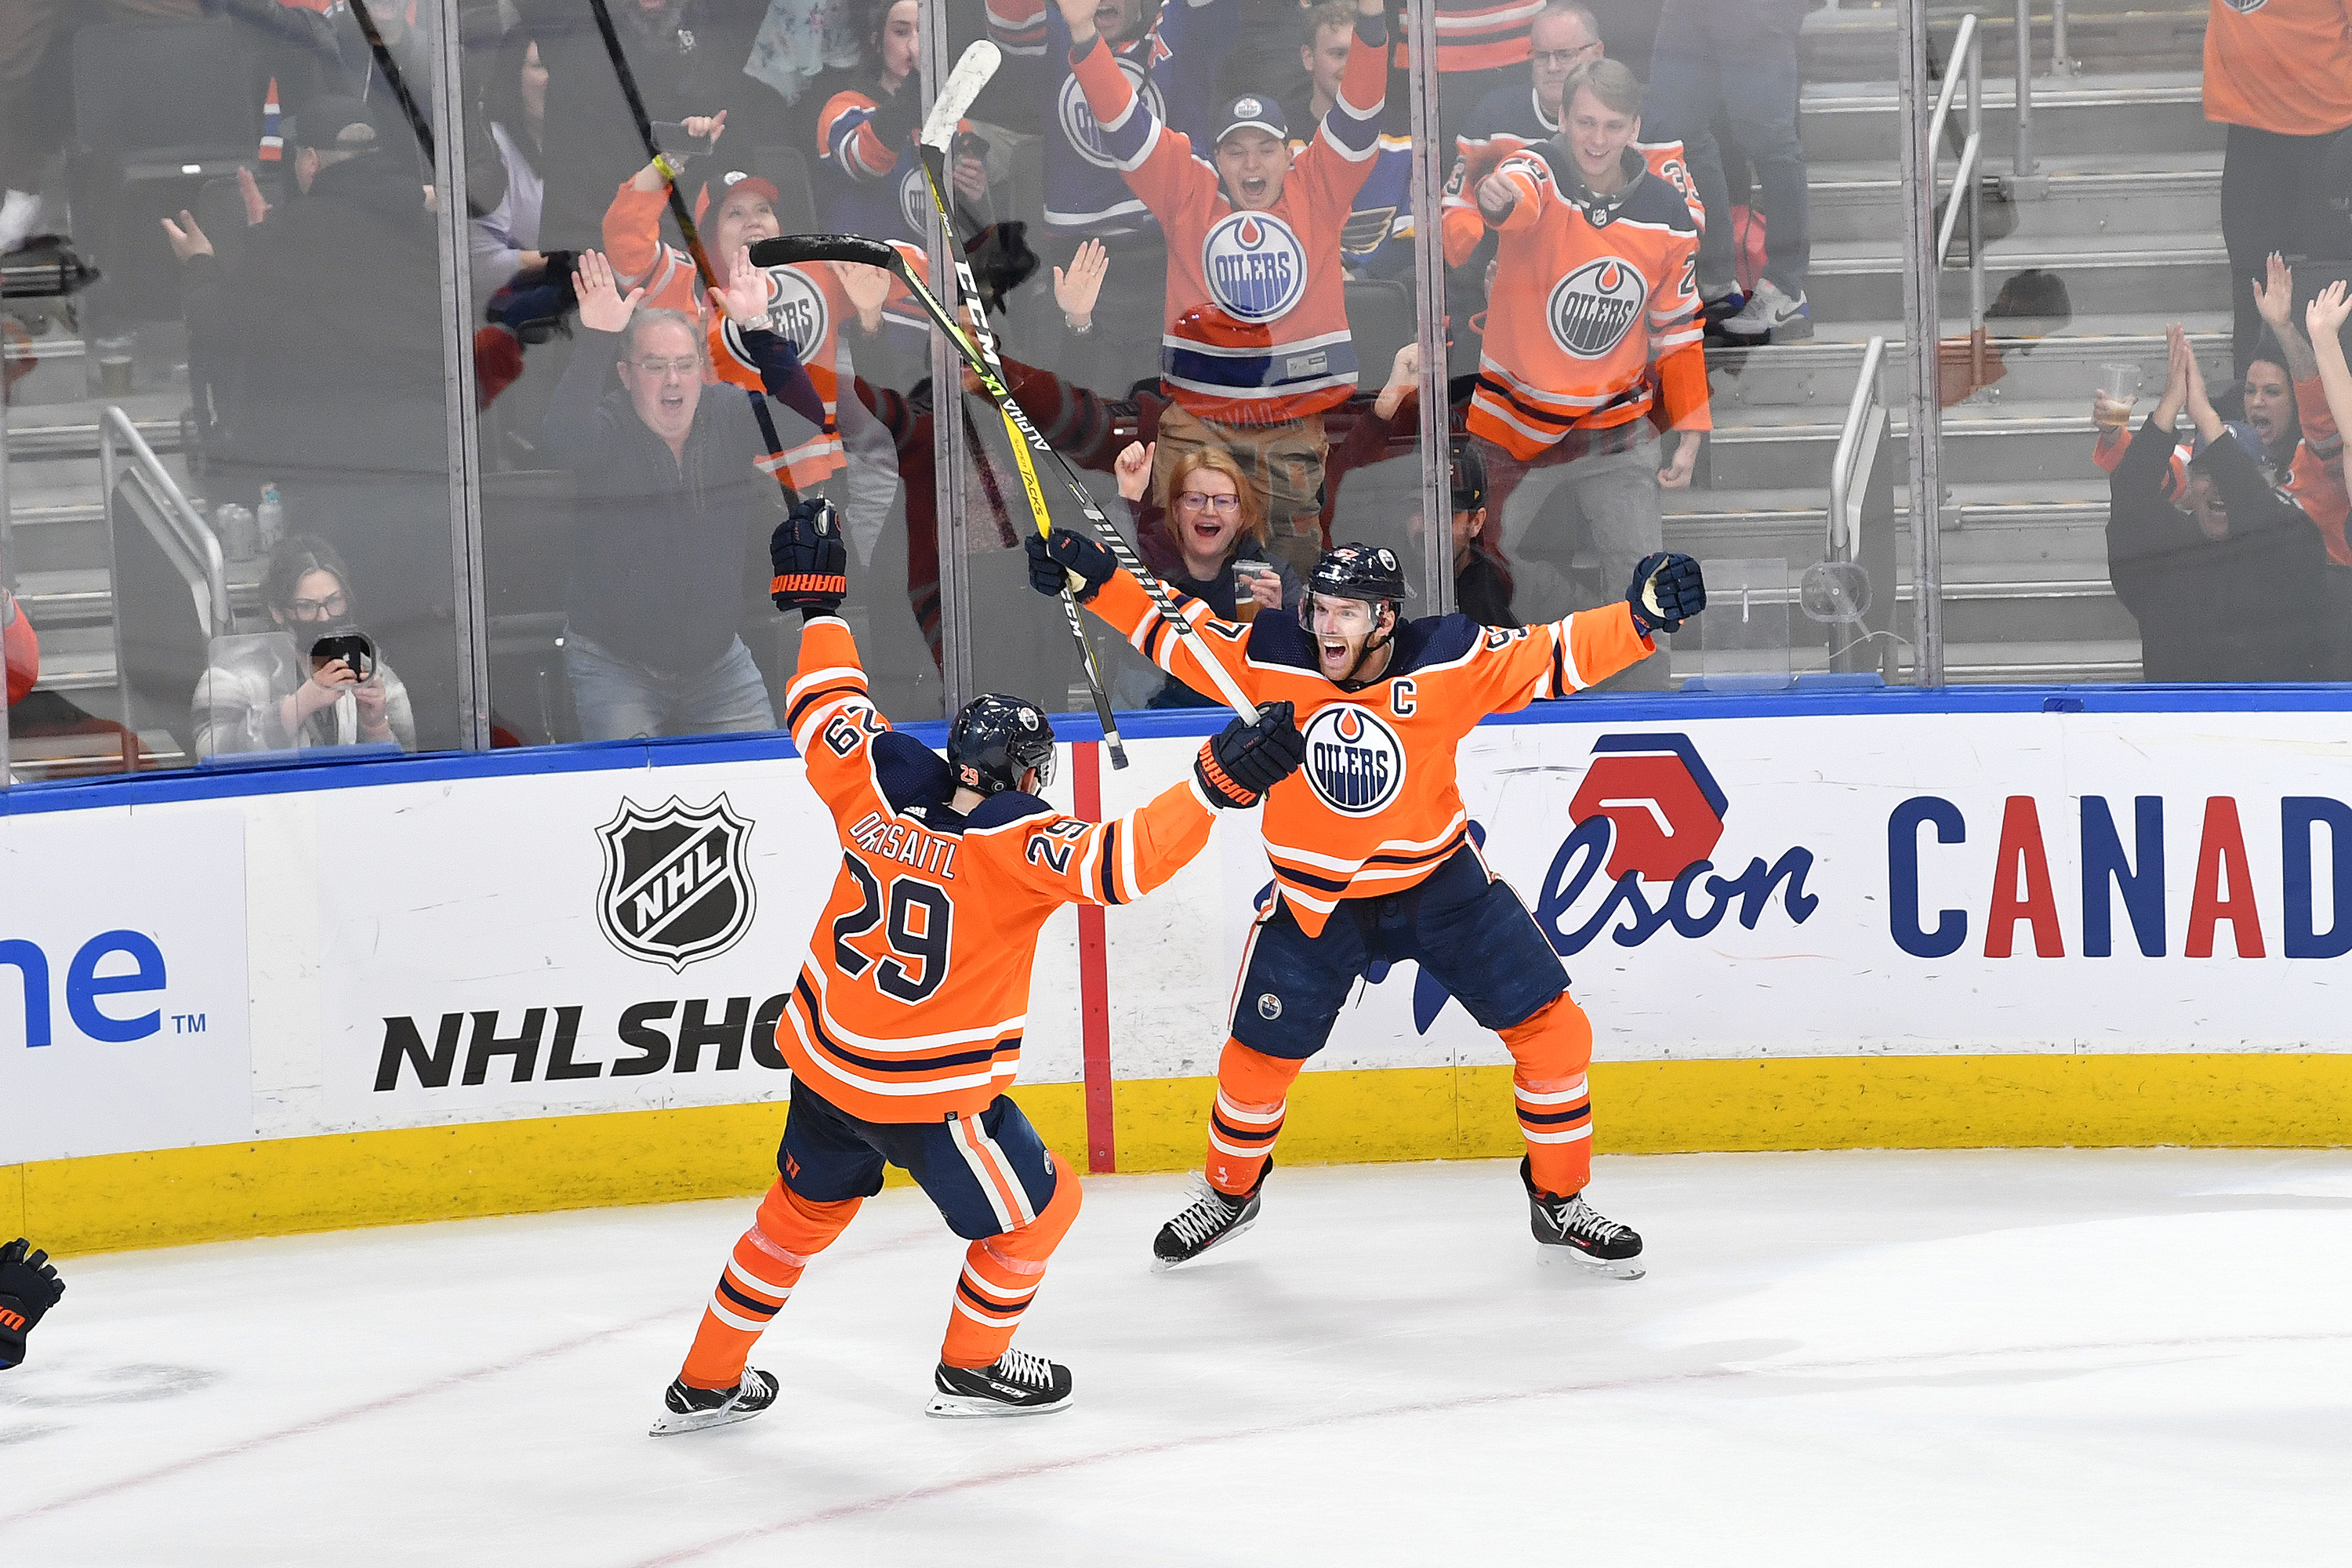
[
  {"x": 905, "y": 1028},
  {"x": 1373, "y": 854}
]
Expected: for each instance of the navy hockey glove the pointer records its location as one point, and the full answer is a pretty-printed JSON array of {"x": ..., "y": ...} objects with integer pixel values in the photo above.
[
  {"x": 811, "y": 562},
  {"x": 29, "y": 1287},
  {"x": 1247, "y": 760},
  {"x": 1666, "y": 590},
  {"x": 1065, "y": 552}
]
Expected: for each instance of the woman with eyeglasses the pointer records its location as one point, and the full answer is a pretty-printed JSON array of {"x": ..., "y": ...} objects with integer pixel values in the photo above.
[
  {"x": 271, "y": 692},
  {"x": 1211, "y": 544}
]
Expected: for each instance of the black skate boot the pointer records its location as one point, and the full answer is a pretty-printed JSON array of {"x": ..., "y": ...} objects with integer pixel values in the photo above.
[
  {"x": 1573, "y": 1228},
  {"x": 691, "y": 1409},
  {"x": 1018, "y": 1384},
  {"x": 1211, "y": 1217}
]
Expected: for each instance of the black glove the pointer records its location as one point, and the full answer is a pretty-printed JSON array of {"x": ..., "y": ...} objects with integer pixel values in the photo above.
[
  {"x": 811, "y": 562},
  {"x": 1051, "y": 559},
  {"x": 1247, "y": 760},
  {"x": 897, "y": 118},
  {"x": 29, "y": 1287},
  {"x": 1666, "y": 590}
]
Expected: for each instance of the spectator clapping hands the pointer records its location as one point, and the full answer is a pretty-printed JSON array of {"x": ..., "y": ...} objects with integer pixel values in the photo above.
[
  {"x": 744, "y": 295},
  {"x": 603, "y": 307},
  {"x": 867, "y": 288}
]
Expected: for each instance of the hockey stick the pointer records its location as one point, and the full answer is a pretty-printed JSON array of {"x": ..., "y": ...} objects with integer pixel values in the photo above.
[
  {"x": 794, "y": 248},
  {"x": 686, "y": 228},
  {"x": 956, "y": 96}
]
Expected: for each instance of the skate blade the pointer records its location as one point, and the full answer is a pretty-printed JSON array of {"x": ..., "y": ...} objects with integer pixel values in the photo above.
[
  {"x": 1607, "y": 1267},
  {"x": 957, "y": 1406},
  {"x": 1162, "y": 1265},
  {"x": 670, "y": 1423}
]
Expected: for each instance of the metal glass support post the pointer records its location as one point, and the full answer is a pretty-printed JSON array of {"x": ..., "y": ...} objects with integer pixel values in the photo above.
[
  {"x": 1429, "y": 171},
  {"x": 7, "y": 585},
  {"x": 472, "y": 618},
  {"x": 1922, "y": 278},
  {"x": 948, "y": 487},
  {"x": 2023, "y": 162}
]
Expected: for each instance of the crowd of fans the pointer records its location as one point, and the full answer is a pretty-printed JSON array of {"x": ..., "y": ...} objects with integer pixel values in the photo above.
[{"x": 1190, "y": 224}]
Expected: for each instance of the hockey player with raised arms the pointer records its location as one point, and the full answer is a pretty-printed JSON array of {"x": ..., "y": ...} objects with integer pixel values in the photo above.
[
  {"x": 905, "y": 1028},
  {"x": 1373, "y": 855},
  {"x": 1255, "y": 342}
]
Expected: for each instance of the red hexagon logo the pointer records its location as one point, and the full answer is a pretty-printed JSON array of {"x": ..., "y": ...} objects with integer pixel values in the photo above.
[{"x": 1667, "y": 809}]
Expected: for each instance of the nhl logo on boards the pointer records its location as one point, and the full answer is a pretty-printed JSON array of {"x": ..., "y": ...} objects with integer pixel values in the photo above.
[
  {"x": 677, "y": 886},
  {"x": 1593, "y": 307},
  {"x": 1355, "y": 764},
  {"x": 1255, "y": 267},
  {"x": 1078, "y": 121}
]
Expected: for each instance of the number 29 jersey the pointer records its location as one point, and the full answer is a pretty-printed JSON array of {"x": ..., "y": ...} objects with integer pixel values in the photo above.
[{"x": 914, "y": 994}]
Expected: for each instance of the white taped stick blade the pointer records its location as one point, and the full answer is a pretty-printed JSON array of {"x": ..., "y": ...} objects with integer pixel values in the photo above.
[{"x": 958, "y": 92}]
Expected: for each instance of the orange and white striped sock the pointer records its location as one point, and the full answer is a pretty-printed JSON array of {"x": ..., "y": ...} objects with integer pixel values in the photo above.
[
  {"x": 1253, "y": 1099},
  {"x": 1552, "y": 1051},
  {"x": 767, "y": 1262},
  {"x": 1001, "y": 1276}
]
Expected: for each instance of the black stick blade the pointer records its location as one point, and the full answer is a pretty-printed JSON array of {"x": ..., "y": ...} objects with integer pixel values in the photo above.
[{"x": 786, "y": 250}]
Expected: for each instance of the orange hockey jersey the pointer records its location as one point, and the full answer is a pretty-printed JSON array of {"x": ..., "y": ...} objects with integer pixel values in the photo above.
[
  {"x": 1375, "y": 808},
  {"x": 1589, "y": 325},
  {"x": 2284, "y": 66},
  {"x": 1511, "y": 120},
  {"x": 912, "y": 999},
  {"x": 1256, "y": 322}
]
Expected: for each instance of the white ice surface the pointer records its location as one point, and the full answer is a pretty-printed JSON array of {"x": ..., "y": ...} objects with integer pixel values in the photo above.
[{"x": 2137, "y": 1357}]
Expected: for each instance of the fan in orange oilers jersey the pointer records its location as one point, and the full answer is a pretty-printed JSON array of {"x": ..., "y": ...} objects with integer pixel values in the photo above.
[
  {"x": 1372, "y": 855},
  {"x": 904, "y": 1027}
]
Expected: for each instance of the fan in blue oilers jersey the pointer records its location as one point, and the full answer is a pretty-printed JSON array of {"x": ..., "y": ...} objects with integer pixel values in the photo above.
[
  {"x": 866, "y": 140},
  {"x": 1378, "y": 239}
]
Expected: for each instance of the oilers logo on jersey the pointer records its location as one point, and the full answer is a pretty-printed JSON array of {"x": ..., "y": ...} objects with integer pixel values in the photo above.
[
  {"x": 1355, "y": 764},
  {"x": 1593, "y": 307},
  {"x": 1078, "y": 120},
  {"x": 915, "y": 197},
  {"x": 796, "y": 309},
  {"x": 1254, "y": 266}
]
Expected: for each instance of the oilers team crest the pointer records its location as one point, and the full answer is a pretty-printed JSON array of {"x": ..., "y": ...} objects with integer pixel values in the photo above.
[
  {"x": 1593, "y": 307},
  {"x": 796, "y": 309},
  {"x": 678, "y": 881},
  {"x": 915, "y": 197},
  {"x": 1078, "y": 120},
  {"x": 1255, "y": 267},
  {"x": 1355, "y": 764}
]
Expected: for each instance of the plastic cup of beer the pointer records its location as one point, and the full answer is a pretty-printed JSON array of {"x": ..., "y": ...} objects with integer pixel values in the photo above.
[{"x": 2119, "y": 390}]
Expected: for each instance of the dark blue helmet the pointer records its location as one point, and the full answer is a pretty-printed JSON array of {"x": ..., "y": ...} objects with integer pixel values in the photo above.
[{"x": 997, "y": 741}]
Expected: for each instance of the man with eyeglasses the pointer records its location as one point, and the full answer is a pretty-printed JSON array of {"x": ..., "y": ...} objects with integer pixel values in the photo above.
[
  {"x": 1373, "y": 855},
  {"x": 668, "y": 504}
]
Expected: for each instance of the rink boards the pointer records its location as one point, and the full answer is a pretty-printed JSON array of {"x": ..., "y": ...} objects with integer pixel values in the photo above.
[{"x": 270, "y": 1002}]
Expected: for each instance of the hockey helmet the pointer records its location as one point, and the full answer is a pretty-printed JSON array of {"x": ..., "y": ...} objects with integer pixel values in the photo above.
[
  {"x": 1368, "y": 571},
  {"x": 996, "y": 742}
]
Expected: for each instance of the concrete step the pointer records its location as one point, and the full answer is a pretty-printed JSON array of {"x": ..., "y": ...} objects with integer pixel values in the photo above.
[
  {"x": 2174, "y": 273},
  {"x": 2159, "y": 111},
  {"x": 2101, "y": 38},
  {"x": 1819, "y": 374},
  {"x": 2107, "y": 193},
  {"x": 74, "y": 596},
  {"x": 35, "y": 758}
]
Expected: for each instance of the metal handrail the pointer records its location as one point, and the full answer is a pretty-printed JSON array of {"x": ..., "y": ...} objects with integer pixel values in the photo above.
[
  {"x": 1967, "y": 62},
  {"x": 1844, "y": 498},
  {"x": 189, "y": 532}
]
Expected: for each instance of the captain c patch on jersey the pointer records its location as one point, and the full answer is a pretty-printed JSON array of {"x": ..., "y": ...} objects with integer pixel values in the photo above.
[
  {"x": 1593, "y": 307},
  {"x": 1355, "y": 764},
  {"x": 1254, "y": 264}
]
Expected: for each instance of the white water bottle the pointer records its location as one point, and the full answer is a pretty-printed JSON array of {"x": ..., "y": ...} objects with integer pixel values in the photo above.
[{"x": 271, "y": 517}]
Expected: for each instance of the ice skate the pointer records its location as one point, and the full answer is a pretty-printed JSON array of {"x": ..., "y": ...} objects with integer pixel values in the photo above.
[
  {"x": 688, "y": 1409},
  {"x": 1211, "y": 1217},
  {"x": 1569, "y": 1227},
  {"x": 1018, "y": 1384}
]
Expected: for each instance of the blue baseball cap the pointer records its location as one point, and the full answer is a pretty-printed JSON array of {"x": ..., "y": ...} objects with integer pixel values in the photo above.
[
  {"x": 1252, "y": 110},
  {"x": 2244, "y": 434}
]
